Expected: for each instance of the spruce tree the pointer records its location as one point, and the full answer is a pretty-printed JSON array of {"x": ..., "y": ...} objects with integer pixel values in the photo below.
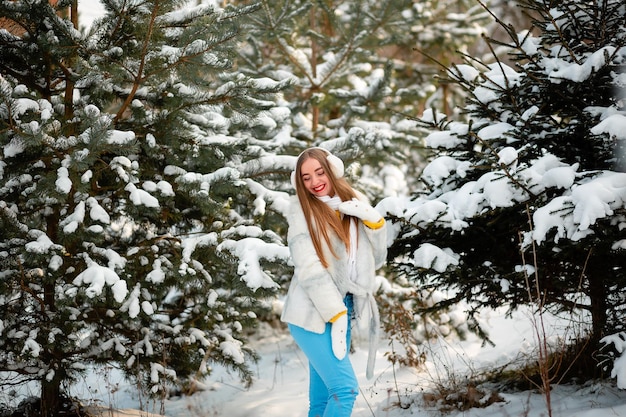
[
  {"x": 524, "y": 195},
  {"x": 128, "y": 209},
  {"x": 356, "y": 74},
  {"x": 358, "y": 68}
]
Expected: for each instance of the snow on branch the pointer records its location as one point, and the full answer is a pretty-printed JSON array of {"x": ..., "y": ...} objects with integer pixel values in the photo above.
[
  {"x": 230, "y": 346},
  {"x": 250, "y": 251},
  {"x": 559, "y": 69},
  {"x": 157, "y": 369},
  {"x": 278, "y": 200},
  {"x": 573, "y": 215},
  {"x": 96, "y": 276},
  {"x": 71, "y": 222},
  {"x": 189, "y": 244},
  {"x": 613, "y": 125},
  {"x": 141, "y": 197},
  {"x": 430, "y": 256},
  {"x": 190, "y": 12},
  {"x": 268, "y": 163},
  {"x": 42, "y": 244},
  {"x": 619, "y": 365},
  {"x": 206, "y": 180}
]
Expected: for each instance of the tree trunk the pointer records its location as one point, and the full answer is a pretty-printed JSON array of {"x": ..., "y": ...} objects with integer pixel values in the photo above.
[
  {"x": 51, "y": 397},
  {"x": 597, "y": 299},
  {"x": 597, "y": 291}
]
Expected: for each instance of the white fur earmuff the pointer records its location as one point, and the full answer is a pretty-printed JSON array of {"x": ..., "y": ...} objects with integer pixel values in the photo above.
[{"x": 335, "y": 163}]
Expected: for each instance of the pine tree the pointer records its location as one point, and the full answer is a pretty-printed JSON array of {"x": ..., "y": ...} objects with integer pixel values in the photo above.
[
  {"x": 524, "y": 195},
  {"x": 356, "y": 74},
  {"x": 127, "y": 229}
]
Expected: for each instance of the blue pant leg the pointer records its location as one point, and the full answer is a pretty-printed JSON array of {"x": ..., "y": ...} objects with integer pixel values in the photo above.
[
  {"x": 333, "y": 386},
  {"x": 318, "y": 393}
]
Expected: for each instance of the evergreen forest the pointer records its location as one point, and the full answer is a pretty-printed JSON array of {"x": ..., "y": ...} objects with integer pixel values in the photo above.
[{"x": 145, "y": 163}]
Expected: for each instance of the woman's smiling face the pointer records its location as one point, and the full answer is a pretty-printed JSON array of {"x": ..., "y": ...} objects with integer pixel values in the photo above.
[{"x": 315, "y": 179}]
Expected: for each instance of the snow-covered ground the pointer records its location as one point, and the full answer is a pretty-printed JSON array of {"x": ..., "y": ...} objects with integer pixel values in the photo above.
[{"x": 280, "y": 386}]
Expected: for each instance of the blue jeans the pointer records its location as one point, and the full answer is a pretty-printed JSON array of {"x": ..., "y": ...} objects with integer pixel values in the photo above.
[{"x": 333, "y": 386}]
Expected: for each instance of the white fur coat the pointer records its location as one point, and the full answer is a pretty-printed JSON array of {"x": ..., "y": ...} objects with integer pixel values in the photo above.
[{"x": 316, "y": 293}]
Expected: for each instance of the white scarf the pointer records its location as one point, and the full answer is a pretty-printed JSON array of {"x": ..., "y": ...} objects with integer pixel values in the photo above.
[{"x": 333, "y": 203}]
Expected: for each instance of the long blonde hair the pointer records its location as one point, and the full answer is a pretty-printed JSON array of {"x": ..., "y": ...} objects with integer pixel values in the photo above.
[{"x": 321, "y": 219}]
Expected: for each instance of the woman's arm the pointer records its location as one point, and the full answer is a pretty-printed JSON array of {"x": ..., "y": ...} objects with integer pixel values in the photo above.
[{"x": 374, "y": 225}]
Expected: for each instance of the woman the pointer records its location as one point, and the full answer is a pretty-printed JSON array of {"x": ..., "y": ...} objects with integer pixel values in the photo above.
[{"x": 337, "y": 241}]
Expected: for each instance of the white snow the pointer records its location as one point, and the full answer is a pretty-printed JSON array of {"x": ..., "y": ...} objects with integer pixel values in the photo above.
[
  {"x": 250, "y": 251},
  {"x": 444, "y": 139},
  {"x": 495, "y": 131},
  {"x": 42, "y": 244},
  {"x": 560, "y": 69},
  {"x": 280, "y": 385},
  {"x": 96, "y": 212},
  {"x": 190, "y": 244},
  {"x": 439, "y": 169},
  {"x": 141, "y": 197},
  {"x": 31, "y": 346},
  {"x": 613, "y": 125},
  {"x": 430, "y": 256},
  {"x": 71, "y": 222},
  {"x": 121, "y": 138},
  {"x": 466, "y": 72},
  {"x": 560, "y": 177},
  {"x": 507, "y": 156},
  {"x": 157, "y": 275},
  {"x": 132, "y": 302},
  {"x": 573, "y": 215},
  {"x": 96, "y": 276},
  {"x": 163, "y": 187},
  {"x": 618, "y": 340},
  {"x": 63, "y": 182},
  {"x": 281, "y": 380}
]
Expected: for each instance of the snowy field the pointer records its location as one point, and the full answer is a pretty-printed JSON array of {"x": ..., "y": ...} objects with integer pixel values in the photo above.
[{"x": 280, "y": 385}]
